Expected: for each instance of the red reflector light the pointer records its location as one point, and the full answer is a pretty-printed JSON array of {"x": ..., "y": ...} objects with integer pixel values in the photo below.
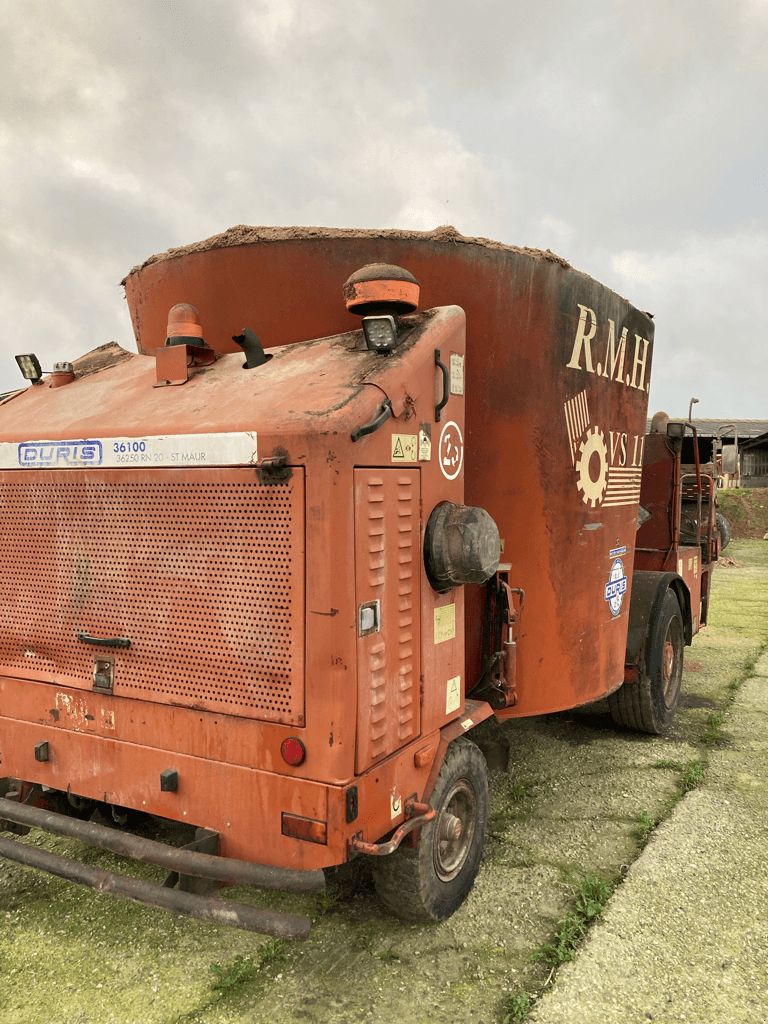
[
  {"x": 293, "y": 751},
  {"x": 305, "y": 828}
]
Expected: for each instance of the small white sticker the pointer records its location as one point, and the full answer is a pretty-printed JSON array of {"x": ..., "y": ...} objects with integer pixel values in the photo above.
[
  {"x": 453, "y": 695},
  {"x": 425, "y": 446},
  {"x": 679, "y": 567},
  {"x": 395, "y": 804},
  {"x": 467, "y": 723},
  {"x": 404, "y": 448},
  {"x": 451, "y": 451},
  {"x": 457, "y": 374}
]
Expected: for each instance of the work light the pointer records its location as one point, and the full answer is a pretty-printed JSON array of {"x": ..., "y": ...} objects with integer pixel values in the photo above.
[
  {"x": 380, "y": 333},
  {"x": 30, "y": 367}
]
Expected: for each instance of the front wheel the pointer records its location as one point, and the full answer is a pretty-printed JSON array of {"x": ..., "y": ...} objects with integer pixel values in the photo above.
[
  {"x": 429, "y": 882},
  {"x": 649, "y": 705}
]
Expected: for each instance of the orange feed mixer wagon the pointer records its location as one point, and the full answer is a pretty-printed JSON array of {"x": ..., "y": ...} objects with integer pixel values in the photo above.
[{"x": 265, "y": 576}]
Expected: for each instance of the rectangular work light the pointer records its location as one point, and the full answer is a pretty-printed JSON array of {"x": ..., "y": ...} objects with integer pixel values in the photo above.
[{"x": 30, "y": 367}]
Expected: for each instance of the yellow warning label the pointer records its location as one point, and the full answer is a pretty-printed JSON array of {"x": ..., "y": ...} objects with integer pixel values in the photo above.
[
  {"x": 405, "y": 447},
  {"x": 445, "y": 623}
]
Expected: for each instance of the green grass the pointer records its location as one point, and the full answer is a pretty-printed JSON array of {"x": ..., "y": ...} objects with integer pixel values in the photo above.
[
  {"x": 592, "y": 893},
  {"x": 712, "y": 733},
  {"x": 517, "y": 1008},
  {"x": 691, "y": 773},
  {"x": 692, "y": 776},
  {"x": 647, "y": 825},
  {"x": 243, "y": 968}
]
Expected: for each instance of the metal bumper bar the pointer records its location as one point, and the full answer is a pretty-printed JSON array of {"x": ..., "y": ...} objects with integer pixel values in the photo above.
[
  {"x": 187, "y": 862},
  {"x": 183, "y": 862},
  {"x": 237, "y": 915}
]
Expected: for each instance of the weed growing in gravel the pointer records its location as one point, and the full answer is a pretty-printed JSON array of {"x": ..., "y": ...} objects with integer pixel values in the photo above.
[
  {"x": 592, "y": 893},
  {"x": 244, "y": 967},
  {"x": 517, "y": 1008},
  {"x": 647, "y": 825},
  {"x": 692, "y": 773},
  {"x": 326, "y": 901},
  {"x": 735, "y": 684},
  {"x": 692, "y": 776},
  {"x": 388, "y": 954},
  {"x": 714, "y": 721},
  {"x": 273, "y": 952}
]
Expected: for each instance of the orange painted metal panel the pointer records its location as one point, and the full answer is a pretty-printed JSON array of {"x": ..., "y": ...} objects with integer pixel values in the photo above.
[
  {"x": 388, "y": 574},
  {"x": 243, "y": 804}
]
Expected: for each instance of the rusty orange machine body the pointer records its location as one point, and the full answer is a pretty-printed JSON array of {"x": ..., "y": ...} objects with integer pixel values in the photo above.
[{"x": 230, "y": 592}]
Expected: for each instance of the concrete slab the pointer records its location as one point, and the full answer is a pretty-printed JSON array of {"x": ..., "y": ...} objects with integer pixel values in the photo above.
[{"x": 686, "y": 937}]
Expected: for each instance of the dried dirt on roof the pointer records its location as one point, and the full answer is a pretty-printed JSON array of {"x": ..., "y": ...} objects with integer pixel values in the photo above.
[
  {"x": 244, "y": 234},
  {"x": 100, "y": 358}
]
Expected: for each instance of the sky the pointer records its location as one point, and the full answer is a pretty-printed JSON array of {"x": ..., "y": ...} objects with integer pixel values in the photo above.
[{"x": 629, "y": 137}]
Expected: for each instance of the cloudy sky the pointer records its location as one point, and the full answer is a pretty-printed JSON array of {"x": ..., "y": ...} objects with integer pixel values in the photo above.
[{"x": 629, "y": 137}]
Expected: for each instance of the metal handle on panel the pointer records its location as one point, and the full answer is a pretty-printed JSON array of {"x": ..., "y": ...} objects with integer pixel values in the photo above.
[
  {"x": 380, "y": 417},
  {"x": 446, "y": 386},
  {"x": 104, "y": 641}
]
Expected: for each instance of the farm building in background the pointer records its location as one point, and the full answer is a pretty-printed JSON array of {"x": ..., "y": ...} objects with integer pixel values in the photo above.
[{"x": 752, "y": 439}]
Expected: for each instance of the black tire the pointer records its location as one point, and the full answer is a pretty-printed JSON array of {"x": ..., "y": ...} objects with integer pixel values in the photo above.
[
  {"x": 649, "y": 705},
  {"x": 724, "y": 528},
  {"x": 430, "y": 881}
]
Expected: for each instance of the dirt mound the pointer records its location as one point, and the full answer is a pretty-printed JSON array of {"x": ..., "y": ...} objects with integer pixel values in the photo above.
[
  {"x": 746, "y": 509},
  {"x": 245, "y": 234}
]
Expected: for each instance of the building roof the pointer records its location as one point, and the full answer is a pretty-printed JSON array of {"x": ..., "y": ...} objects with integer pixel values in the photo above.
[
  {"x": 708, "y": 428},
  {"x": 755, "y": 441}
]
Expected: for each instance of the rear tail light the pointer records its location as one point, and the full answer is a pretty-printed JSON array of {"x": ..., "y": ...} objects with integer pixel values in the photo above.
[{"x": 293, "y": 750}]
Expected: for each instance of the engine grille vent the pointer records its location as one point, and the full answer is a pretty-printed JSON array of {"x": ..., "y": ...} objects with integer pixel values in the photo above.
[{"x": 203, "y": 570}]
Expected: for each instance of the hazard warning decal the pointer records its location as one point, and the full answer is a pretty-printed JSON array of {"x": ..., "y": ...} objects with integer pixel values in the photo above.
[{"x": 404, "y": 447}]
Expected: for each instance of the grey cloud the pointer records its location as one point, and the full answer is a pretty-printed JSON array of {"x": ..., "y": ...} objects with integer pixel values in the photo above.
[{"x": 596, "y": 129}]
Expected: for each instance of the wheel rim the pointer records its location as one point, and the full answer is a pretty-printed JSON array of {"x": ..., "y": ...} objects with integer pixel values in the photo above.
[
  {"x": 671, "y": 662},
  {"x": 454, "y": 829}
]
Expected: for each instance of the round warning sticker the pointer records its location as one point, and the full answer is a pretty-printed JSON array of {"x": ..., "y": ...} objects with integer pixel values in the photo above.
[{"x": 451, "y": 450}]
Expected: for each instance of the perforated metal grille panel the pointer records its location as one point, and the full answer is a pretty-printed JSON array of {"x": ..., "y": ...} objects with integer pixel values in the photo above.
[{"x": 202, "y": 569}]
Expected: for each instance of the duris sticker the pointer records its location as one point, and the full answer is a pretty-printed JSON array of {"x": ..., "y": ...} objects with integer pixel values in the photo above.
[
  {"x": 616, "y": 587},
  {"x": 172, "y": 450}
]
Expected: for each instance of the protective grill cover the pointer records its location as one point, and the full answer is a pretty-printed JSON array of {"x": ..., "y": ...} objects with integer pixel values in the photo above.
[{"x": 202, "y": 569}]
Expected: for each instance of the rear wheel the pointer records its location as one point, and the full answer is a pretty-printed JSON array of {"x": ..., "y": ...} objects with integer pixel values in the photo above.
[
  {"x": 649, "y": 705},
  {"x": 430, "y": 881},
  {"x": 724, "y": 528}
]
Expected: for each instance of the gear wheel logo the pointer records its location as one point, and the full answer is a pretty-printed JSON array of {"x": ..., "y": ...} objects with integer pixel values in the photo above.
[{"x": 592, "y": 490}]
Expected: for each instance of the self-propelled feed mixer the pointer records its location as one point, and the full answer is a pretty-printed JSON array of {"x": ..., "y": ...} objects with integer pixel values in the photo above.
[{"x": 357, "y": 492}]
